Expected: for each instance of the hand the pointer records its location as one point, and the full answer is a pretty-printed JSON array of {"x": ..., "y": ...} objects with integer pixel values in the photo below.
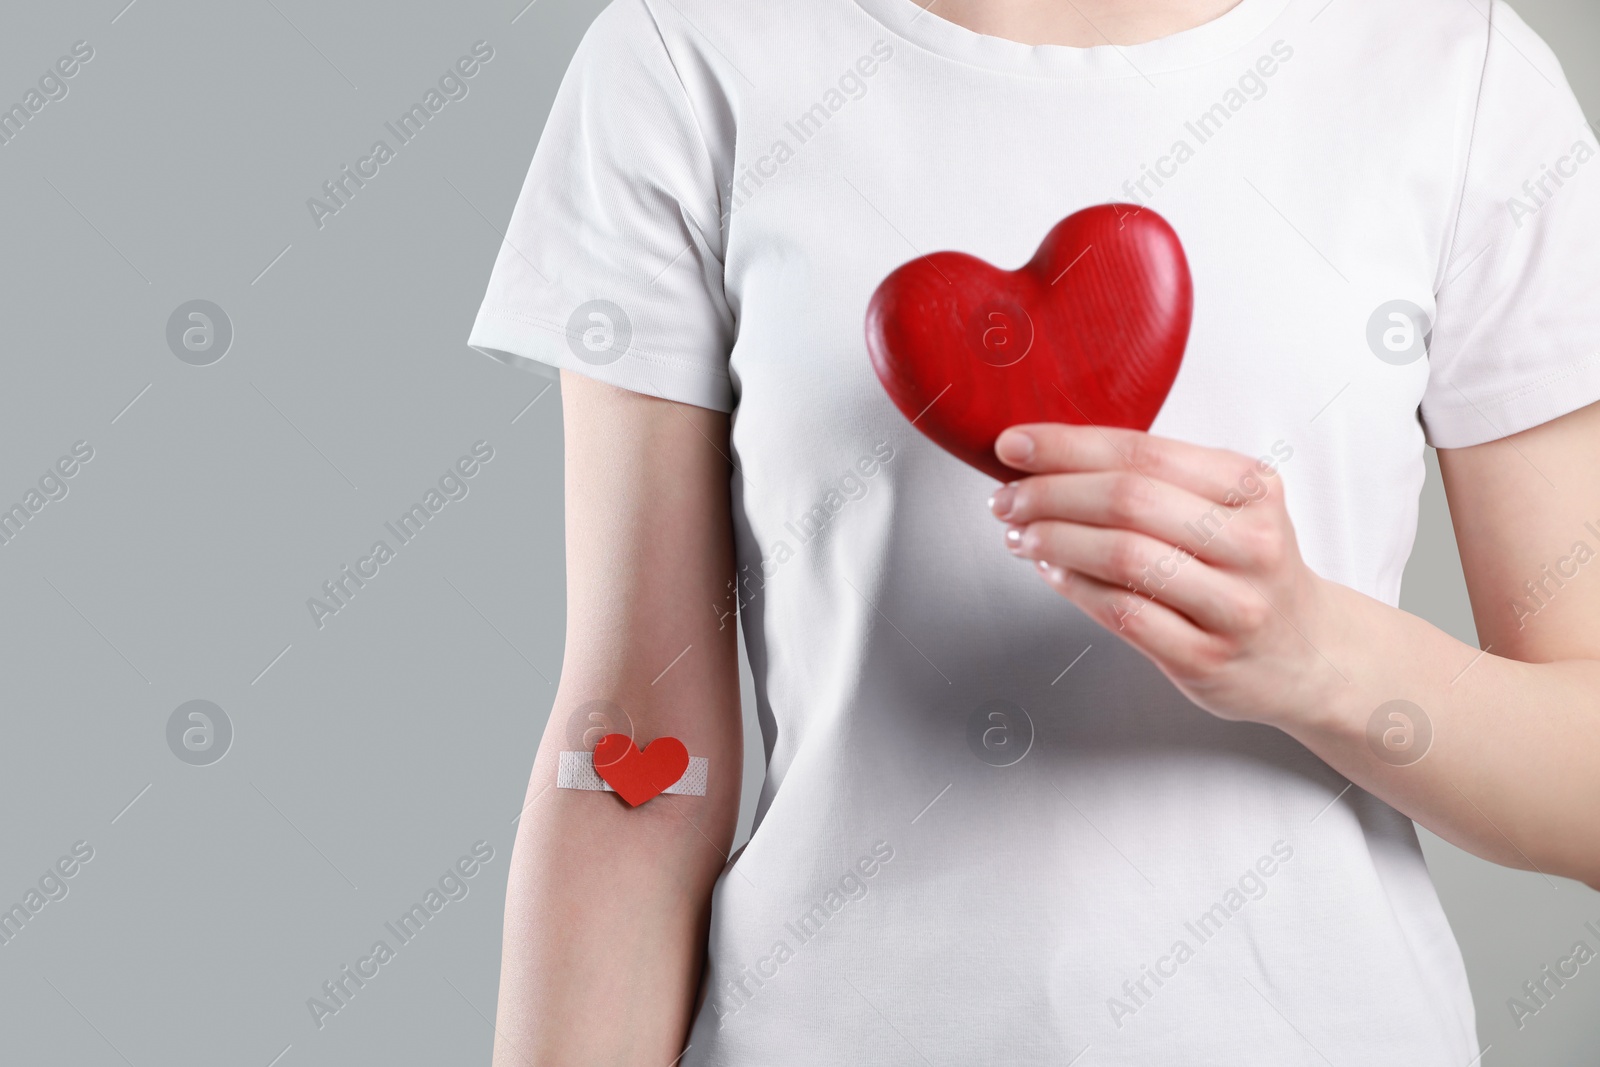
[{"x": 1186, "y": 553}]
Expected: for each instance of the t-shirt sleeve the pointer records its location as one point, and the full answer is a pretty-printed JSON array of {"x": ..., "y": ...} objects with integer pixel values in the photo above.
[
  {"x": 612, "y": 263},
  {"x": 1517, "y": 337}
]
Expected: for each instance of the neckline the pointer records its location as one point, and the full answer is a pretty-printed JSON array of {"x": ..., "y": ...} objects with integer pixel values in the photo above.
[{"x": 1223, "y": 35}]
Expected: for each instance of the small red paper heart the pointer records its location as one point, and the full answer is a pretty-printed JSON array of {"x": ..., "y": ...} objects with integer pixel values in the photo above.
[
  {"x": 1091, "y": 331},
  {"x": 636, "y": 775}
]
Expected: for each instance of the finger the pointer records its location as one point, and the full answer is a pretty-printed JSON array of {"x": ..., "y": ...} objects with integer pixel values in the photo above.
[
  {"x": 1166, "y": 637},
  {"x": 1212, "y": 473},
  {"x": 1155, "y": 569},
  {"x": 1124, "y": 500}
]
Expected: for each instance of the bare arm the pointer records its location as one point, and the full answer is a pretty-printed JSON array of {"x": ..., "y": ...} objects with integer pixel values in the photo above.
[
  {"x": 1495, "y": 750},
  {"x": 1510, "y": 775},
  {"x": 607, "y": 906}
]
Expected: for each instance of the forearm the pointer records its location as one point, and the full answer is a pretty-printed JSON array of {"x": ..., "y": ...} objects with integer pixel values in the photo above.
[
  {"x": 607, "y": 906},
  {"x": 1243, "y": 627},
  {"x": 1509, "y": 773},
  {"x": 605, "y": 927}
]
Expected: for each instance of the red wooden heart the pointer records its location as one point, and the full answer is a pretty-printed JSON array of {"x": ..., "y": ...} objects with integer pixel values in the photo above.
[
  {"x": 1091, "y": 331},
  {"x": 638, "y": 776}
]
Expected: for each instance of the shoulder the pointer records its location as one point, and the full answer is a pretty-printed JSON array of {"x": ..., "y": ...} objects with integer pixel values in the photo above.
[
  {"x": 1429, "y": 31},
  {"x": 751, "y": 48},
  {"x": 685, "y": 28}
]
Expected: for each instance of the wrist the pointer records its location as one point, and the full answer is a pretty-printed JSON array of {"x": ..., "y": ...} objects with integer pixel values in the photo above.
[{"x": 1323, "y": 695}]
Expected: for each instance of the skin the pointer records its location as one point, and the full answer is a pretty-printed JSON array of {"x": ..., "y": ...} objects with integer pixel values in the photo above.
[
  {"x": 607, "y": 907},
  {"x": 1079, "y": 23},
  {"x": 1246, "y": 630}
]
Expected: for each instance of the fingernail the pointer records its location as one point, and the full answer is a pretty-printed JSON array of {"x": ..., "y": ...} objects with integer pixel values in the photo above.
[
  {"x": 1014, "y": 538},
  {"x": 1002, "y": 500},
  {"x": 1052, "y": 572},
  {"x": 1014, "y": 446}
]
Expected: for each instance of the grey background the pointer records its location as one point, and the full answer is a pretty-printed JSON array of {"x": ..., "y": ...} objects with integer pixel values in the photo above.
[{"x": 370, "y": 754}]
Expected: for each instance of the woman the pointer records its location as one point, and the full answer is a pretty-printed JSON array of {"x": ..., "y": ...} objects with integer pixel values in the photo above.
[{"x": 1146, "y": 796}]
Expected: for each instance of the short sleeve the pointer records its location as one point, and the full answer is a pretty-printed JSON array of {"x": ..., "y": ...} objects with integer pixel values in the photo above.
[
  {"x": 612, "y": 263},
  {"x": 1516, "y": 341}
]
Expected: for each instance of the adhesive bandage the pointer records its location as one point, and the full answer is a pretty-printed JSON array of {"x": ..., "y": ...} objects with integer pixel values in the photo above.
[{"x": 576, "y": 771}]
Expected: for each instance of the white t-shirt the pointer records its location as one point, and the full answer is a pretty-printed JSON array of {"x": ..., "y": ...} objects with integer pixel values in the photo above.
[{"x": 967, "y": 852}]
